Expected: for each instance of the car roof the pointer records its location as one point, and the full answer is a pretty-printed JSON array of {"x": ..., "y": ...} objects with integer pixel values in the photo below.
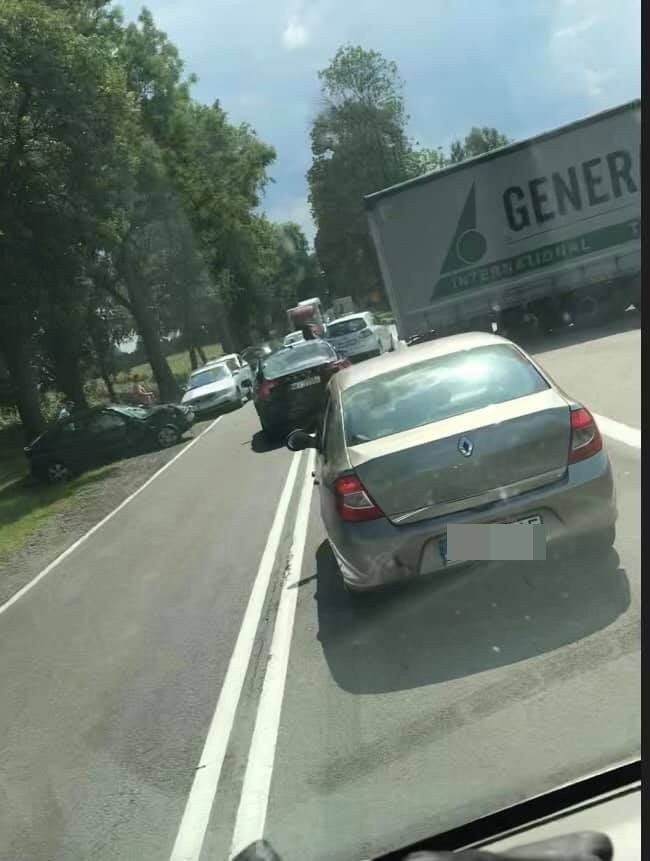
[
  {"x": 406, "y": 356},
  {"x": 220, "y": 359},
  {"x": 353, "y": 316},
  {"x": 211, "y": 364}
]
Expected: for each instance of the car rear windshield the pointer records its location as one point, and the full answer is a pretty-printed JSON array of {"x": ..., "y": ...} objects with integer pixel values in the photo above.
[
  {"x": 302, "y": 354},
  {"x": 436, "y": 389},
  {"x": 345, "y": 327},
  {"x": 209, "y": 375}
]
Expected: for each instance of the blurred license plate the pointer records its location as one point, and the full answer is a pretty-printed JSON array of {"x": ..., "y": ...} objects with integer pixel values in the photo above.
[
  {"x": 302, "y": 384},
  {"x": 532, "y": 520}
]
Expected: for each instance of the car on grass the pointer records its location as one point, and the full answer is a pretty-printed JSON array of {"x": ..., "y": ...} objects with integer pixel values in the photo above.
[
  {"x": 215, "y": 387},
  {"x": 464, "y": 430},
  {"x": 291, "y": 385},
  {"x": 88, "y": 438},
  {"x": 359, "y": 336}
]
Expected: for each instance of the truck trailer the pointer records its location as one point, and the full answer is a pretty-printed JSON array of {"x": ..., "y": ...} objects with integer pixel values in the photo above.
[{"x": 546, "y": 229}]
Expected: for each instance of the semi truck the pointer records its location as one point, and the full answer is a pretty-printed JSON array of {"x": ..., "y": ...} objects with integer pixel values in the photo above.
[{"x": 545, "y": 230}]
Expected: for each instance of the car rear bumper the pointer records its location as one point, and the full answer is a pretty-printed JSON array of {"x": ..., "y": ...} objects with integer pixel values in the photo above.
[
  {"x": 213, "y": 405},
  {"x": 377, "y": 552},
  {"x": 365, "y": 349},
  {"x": 367, "y": 354}
]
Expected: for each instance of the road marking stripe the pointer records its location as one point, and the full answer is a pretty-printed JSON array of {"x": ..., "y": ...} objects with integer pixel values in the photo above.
[
  {"x": 253, "y": 803},
  {"x": 191, "y": 832},
  {"x": 618, "y": 431},
  {"x": 28, "y": 586}
]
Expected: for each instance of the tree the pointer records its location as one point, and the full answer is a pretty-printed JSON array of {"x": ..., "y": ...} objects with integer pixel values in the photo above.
[
  {"x": 64, "y": 116},
  {"x": 359, "y": 145},
  {"x": 219, "y": 172},
  {"x": 477, "y": 141}
]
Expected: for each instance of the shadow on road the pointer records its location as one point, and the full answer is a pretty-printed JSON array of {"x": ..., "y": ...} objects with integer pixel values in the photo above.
[
  {"x": 462, "y": 622},
  {"x": 261, "y": 444},
  {"x": 628, "y": 322}
]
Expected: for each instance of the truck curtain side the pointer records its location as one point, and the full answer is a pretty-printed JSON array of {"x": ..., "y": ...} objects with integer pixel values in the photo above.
[{"x": 549, "y": 227}]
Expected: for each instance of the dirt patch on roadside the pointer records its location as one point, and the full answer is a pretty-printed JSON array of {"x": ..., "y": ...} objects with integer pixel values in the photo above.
[{"x": 92, "y": 503}]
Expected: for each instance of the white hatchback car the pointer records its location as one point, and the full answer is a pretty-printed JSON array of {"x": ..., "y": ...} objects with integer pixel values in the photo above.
[{"x": 359, "y": 336}]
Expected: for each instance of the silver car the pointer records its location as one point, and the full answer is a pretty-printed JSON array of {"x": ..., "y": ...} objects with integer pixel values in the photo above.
[{"x": 463, "y": 431}]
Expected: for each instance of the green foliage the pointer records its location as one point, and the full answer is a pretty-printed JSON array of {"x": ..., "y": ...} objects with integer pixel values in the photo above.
[
  {"x": 476, "y": 142},
  {"x": 359, "y": 145}
]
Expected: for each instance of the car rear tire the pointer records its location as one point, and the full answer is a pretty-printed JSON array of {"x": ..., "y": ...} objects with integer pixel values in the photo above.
[
  {"x": 270, "y": 432},
  {"x": 56, "y": 472},
  {"x": 168, "y": 436}
]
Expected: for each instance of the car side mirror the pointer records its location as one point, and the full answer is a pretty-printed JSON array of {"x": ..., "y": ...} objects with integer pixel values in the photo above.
[
  {"x": 246, "y": 383},
  {"x": 299, "y": 440}
]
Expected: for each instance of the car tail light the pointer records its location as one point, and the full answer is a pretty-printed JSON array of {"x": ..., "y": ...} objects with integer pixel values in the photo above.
[
  {"x": 585, "y": 436},
  {"x": 265, "y": 387},
  {"x": 352, "y": 501}
]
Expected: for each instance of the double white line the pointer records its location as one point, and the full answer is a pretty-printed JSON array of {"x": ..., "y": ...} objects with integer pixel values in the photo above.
[{"x": 251, "y": 815}]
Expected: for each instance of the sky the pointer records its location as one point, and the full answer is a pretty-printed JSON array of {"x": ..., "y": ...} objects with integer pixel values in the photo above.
[{"x": 522, "y": 66}]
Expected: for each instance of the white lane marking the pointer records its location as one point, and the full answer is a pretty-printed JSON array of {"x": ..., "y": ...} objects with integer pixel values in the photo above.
[
  {"x": 191, "y": 832},
  {"x": 618, "y": 431},
  {"x": 253, "y": 803},
  {"x": 26, "y": 588}
]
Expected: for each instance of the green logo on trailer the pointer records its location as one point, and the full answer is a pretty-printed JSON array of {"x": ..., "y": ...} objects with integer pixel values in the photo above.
[{"x": 468, "y": 245}]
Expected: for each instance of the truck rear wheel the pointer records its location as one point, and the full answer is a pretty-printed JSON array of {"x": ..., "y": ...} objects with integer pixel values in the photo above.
[{"x": 591, "y": 309}]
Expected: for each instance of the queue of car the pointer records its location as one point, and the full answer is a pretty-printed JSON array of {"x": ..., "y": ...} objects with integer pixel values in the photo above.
[{"x": 465, "y": 430}]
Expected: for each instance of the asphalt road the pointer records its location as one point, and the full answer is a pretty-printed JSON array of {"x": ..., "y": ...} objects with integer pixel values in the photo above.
[{"x": 428, "y": 707}]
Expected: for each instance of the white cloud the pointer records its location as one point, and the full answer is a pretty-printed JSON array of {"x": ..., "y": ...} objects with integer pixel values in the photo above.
[
  {"x": 295, "y": 35},
  {"x": 574, "y": 30},
  {"x": 295, "y": 209},
  {"x": 594, "y": 48}
]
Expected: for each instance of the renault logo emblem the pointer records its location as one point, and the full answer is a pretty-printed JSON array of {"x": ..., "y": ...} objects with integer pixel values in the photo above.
[{"x": 465, "y": 446}]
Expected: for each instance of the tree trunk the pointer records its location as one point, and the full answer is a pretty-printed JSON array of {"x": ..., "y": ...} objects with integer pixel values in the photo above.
[
  {"x": 16, "y": 351},
  {"x": 67, "y": 369},
  {"x": 223, "y": 328},
  {"x": 168, "y": 389},
  {"x": 102, "y": 365}
]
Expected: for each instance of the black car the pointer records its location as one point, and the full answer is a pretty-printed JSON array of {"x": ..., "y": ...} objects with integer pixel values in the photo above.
[
  {"x": 291, "y": 383},
  {"x": 91, "y": 437}
]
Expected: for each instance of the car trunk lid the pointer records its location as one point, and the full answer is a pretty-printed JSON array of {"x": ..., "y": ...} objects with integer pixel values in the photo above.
[
  {"x": 302, "y": 390},
  {"x": 467, "y": 461}
]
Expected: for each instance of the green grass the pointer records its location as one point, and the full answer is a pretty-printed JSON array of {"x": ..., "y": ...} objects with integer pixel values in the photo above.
[
  {"x": 178, "y": 362},
  {"x": 25, "y": 506},
  {"x": 12, "y": 460}
]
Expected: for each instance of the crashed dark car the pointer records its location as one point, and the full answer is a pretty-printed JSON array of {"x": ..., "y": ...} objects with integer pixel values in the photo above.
[{"x": 88, "y": 438}]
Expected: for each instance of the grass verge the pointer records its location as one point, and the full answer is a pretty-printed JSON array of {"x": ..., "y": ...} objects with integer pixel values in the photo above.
[
  {"x": 179, "y": 364},
  {"x": 26, "y": 505}
]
